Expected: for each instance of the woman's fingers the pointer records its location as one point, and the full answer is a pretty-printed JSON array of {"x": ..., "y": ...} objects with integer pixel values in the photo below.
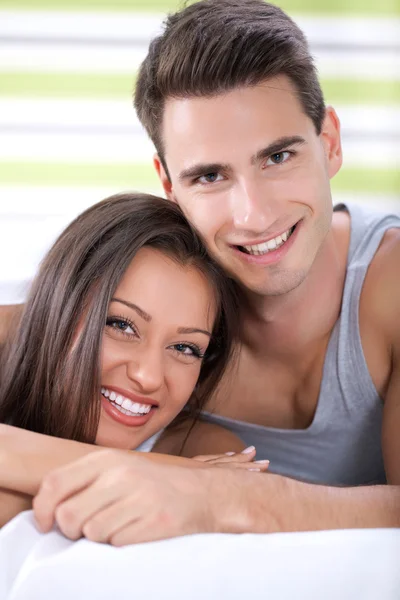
[
  {"x": 236, "y": 460},
  {"x": 247, "y": 455},
  {"x": 260, "y": 466}
]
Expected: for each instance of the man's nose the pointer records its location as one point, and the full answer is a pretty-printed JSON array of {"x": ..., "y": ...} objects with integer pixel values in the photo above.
[
  {"x": 250, "y": 207},
  {"x": 146, "y": 369}
]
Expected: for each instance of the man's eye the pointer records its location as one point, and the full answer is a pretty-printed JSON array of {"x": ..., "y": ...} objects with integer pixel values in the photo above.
[
  {"x": 278, "y": 158},
  {"x": 210, "y": 178}
]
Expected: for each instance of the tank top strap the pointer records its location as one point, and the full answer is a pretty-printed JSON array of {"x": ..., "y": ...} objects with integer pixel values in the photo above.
[{"x": 367, "y": 231}]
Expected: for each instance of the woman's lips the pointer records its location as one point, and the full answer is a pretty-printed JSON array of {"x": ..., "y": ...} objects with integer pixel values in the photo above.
[{"x": 113, "y": 411}]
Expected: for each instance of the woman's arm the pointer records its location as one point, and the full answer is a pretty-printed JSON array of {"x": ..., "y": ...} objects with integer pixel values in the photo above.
[
  {"x": 202, "y": 438},
  {"x": 11, "y": 504},
  {"x": 26, "y": 457}
]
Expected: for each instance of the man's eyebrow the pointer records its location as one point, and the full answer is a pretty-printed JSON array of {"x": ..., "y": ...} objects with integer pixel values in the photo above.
[
  {"x": 277, "y": 146},
  {"x": 201, "y": 169},
  {"x": 193, "y": 330},
  {"x": 137, "y": 309}
]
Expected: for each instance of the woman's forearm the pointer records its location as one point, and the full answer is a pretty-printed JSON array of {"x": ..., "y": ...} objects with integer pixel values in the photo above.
[
  {"x": 26, "y": 457},
  {"x": 11, "y": 504}
]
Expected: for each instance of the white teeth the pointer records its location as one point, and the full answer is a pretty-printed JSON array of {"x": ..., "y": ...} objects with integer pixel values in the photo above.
[
  {"x": 124, "y": 405},
  {"x": 259, "y": 249}
]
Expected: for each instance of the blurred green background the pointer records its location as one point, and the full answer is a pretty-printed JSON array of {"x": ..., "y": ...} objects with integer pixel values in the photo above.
[{"x": 67, "y": 70}]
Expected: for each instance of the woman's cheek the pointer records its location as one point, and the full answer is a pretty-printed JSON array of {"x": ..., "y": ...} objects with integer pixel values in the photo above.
[{"x": 181, "y": 385}]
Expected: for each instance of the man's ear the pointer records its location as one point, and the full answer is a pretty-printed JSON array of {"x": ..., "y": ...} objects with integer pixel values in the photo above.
[
  {"x": 165, "y": 181},
  {"x": 331, "y": 140}
]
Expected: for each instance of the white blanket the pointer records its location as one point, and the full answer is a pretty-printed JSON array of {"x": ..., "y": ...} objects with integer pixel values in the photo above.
[{"x": 342, "y": 565}]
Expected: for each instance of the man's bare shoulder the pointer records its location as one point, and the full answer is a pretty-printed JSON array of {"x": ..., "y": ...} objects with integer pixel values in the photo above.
[{"x": 381, "y": 293}]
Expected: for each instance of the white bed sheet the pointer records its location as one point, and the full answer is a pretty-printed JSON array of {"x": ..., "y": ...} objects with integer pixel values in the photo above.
[{"x": 345, "y": 565}]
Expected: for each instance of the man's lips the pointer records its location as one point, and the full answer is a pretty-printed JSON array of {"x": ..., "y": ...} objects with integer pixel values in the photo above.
[
  {"x": 266, "y": 239},
  {"x": 263, "y": 255},
  {"x": 278, "y": 237}
]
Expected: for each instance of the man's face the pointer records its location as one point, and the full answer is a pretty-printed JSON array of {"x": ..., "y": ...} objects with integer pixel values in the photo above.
[{"x": 252, "y": 175}]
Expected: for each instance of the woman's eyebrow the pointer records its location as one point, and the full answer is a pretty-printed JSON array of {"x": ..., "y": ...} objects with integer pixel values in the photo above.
[
  {"x": 193, "y": 330},
  {"x": 134, "y": 307},
  {"x": 148, "y": 318}
]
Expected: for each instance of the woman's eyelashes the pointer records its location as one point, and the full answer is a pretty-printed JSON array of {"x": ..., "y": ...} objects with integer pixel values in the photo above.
[
  {"x": 122, "y": 326},
  {"x": 188, "y": 350}
]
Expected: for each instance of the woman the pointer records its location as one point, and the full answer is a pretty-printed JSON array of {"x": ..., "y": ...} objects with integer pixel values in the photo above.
[{"x": 128, "y": 321}]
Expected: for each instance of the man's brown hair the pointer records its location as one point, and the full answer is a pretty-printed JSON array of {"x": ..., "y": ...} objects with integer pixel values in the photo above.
[{"x": 213, "y": 46}]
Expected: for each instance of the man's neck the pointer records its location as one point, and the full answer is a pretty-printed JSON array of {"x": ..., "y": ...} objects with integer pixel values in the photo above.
[{"x": 286, "y": 325}]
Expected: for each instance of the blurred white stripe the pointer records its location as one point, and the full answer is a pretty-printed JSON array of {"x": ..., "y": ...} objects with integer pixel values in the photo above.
[
  {"x": 69, "y": 112},
  {"x": 76, "y": 148},
  {"x": 116, "y": 149},
  {"x": 26, "y": 201},
  {"x": 66, "y": 202},
  {"x": 120, "y": 114},
  {"x": 110, "y": 26},
  {"x": 81, "y": 58},
  {"x": 64, "y": 58}
]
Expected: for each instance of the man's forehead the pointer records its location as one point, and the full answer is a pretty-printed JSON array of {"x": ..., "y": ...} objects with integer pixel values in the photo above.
[{"x": 204, "y": 129}]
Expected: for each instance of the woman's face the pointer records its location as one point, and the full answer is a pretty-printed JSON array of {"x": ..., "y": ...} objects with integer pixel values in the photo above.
[{"x": 158, "y": 328}]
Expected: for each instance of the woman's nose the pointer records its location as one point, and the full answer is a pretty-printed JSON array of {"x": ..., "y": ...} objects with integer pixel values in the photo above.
[{"x": 146, "y": 369}]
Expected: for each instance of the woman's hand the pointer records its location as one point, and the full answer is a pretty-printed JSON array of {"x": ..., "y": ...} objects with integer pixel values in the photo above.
[
  {"x": 235, "y": 460},
  {"x": 116, "y": 498}
]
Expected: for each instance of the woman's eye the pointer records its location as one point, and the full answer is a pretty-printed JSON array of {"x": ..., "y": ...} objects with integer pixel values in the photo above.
[
  {"x": 210, "y": 178},
  {"x": 121, "y": 326},
  {"x": 188, "y": 350},
  {"x": 278, "y": 158}
]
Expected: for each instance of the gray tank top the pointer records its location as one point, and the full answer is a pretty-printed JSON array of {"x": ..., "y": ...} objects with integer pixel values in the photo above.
[{"x": 342, "y": 446}]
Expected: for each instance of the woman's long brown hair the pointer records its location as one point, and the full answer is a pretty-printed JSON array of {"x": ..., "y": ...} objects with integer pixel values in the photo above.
[{"x": 50, "y": 374}]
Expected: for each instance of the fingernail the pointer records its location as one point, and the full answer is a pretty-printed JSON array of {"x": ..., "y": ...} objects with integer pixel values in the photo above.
[
  {"x": 254, "y": 470},
  {"x": 262, "y": 462},
  {"x": 248, "y": 450},
  {"x": 230, "y": 453}
]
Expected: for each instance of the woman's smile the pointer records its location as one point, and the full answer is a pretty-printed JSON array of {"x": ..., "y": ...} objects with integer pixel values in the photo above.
[{"x": 127, "y": 408}]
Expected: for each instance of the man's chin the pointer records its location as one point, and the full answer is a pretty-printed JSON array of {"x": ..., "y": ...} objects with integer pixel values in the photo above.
[{"x": 279, "y": 285}]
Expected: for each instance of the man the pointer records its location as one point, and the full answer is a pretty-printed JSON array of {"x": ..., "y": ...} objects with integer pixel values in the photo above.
[
  {"x": 230, "y": 97},
  {"x": 245, "y": 145}
]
